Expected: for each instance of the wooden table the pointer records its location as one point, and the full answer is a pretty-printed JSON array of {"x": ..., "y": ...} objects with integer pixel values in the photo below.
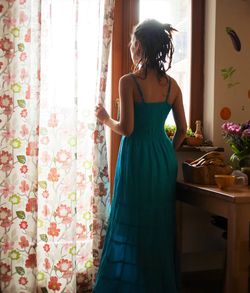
[{"x": 233, "y": 204}]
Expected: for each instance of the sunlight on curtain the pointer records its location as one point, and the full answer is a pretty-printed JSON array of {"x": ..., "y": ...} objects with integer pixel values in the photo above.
[{"x": 53, "y": 168}]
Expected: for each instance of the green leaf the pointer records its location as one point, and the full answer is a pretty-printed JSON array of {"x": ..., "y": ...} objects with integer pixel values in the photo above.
[
  {"x": 20, "y": 271},
  {"x": 44, "y": 237},
  {"x": 20, "y": 214},
  {"x": 21, "y": 159},
  {"x": 42, "y": 184},
  {"x": 21, "y": 103}
]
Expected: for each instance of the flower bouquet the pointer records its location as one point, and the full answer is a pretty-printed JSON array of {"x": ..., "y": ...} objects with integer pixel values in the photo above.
[{"x": 238, "y": 137}]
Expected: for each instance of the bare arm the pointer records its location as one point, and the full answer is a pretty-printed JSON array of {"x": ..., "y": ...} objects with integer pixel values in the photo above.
[
  {"x": 180, "y": 120},
  {"x": 125, "y": 125}
]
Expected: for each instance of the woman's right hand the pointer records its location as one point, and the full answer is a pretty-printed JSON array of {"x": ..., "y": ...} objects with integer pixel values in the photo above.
[{"x": 101, "y": 113}]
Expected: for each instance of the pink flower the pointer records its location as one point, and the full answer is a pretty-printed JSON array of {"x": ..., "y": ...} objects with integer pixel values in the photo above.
[
  {"x": 31, "y": 206},
  {"x": 45, "y": 157},
  {"x": 31, "y": 261},
  {"x": 22, "y": 1},
  {"x": 5, "y": 160},
  {"x": 24, "y": 169},
  {"x": 32, "y": 149},
  {"x": 54, "y": 284},
  {"x": 80, "y": 231},
  {"x": 27, "y": 37},
  {"x": 23, "y": 225},
  {"x": 6, "y": 45},
  {"x": 53, "y": 121},
  {"x": 47, "y": 264},
  {"x": 9, "y": 21},
  {"x": 52, "y": 230},
  {"x": 6, "y": 101},
  {"x": 8, "y": 134},
  {"x": 8, "y": 77},
  {"x": 24, "y": 186},
  {"x": 23, "y": 56},
  {"x": 6, "y": 189},
  {"x": 46, "y": 247},
  {"x": 64, "y": 265},
  {"x": 6, "y": 245},
  {"x": 53, "y": 175},
  {"x": 65, "y": 213},
  {"x": 23, "y": 281},
  {"x": 63, "y": 156},
  {"x": 45, "y": 194},
  {"x": 24, "y": 74},
  {"x": 24, "y": 130},
  {"x": 5, "y": 217},
  {"x": 27, "y": 94},
  {"x": 23, "y": 17},
  {"x": 46, "y": 210},
  {"x": 23, "y": 242},
  {"x": 24, "y": 113}
]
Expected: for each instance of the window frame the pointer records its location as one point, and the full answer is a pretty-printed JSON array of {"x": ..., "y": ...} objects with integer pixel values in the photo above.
[{"x": 126, "y": 16}]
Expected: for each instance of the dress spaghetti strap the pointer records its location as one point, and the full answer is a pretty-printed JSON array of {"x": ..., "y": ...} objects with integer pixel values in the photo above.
[
  {"x": 169, "y": 88},
  {"x": 138, "y": 87}
]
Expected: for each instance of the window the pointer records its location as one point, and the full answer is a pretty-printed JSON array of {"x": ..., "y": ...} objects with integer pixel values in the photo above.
[
  {"x": 178, "y": 14},
  {"x": 127, "y": 14}
]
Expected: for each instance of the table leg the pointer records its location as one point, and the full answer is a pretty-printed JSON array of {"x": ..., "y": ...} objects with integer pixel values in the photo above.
[{"x": 237, "y": 251}]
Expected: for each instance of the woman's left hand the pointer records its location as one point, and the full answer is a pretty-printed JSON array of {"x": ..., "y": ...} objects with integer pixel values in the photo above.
[{"x": 101, "y": 113}]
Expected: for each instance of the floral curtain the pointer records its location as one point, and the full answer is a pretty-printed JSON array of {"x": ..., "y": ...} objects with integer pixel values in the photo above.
[{"x": 54, "y": 196}]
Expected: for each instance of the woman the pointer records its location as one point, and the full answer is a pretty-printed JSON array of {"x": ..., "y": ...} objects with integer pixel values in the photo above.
[{"x": 139, "y": 253}]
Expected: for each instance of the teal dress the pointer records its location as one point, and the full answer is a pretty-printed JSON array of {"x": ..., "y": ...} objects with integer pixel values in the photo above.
[{"x": 139, "y": 254}]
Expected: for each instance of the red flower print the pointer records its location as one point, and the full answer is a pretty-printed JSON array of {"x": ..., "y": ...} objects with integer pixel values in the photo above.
[
  {"x": 22, "y": 1},
  {"x": 64, "y": 265},
  {"x": 28, "y": 36},
  {"x": 23, "y": 242},
  {"x": 100, "y": 189},
  {"x": 54, "y": 284},
  {"x": 24, "y": 113},
  {"x": 5, "y": 277},
  {"x": 24, "y": 130},
  {"x": 6, "y": 44},
  {"x": 46, "y": 247},
  {"x": 63, "y": 156},
  {"x": 8, "y": 134},
  {"x": 24, "y": 169},
  {"x": 81, "y": 231},
  {"x": 23, "y": 56},
  {"x": 52, "y": 230},
  {"x": 53, "y": 175},
  {"x": 23, "y": 281},
  {"x": 31, "y": 261},
  {"x": 6, "y": 101},
  {"x": 45, "y": 194},
  {"x": 23, "y": 17},
  {"x": 31, "y": 206},
  {"x": 46, "y": 211},
  {"x": 6, "y": 245},
  {"x": 53, "y": 121},
  {"x": 23, "y": 225},
  {"x": 5, "y": 159},
  {"x": 32, "y": 149},
  {"x": 63, "y": 211},
  {"x": 27, "y": 94},
  {"x": 98, "y": 138},
  {"x": 24, "y": 186},
  {"x": 5, "y": 215},
  {"x": 1, "y": 8},
  {"x": 47, "y": 264}
]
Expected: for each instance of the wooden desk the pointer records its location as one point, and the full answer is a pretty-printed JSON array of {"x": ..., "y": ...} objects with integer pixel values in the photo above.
[{"x": 233, "y": 204}]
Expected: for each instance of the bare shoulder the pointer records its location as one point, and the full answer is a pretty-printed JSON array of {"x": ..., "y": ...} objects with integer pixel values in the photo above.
[
  {"x": 175, "y": 87},
  {"x": 125, "y": 79}
]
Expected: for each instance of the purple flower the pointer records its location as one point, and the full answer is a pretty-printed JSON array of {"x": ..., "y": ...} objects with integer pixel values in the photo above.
[{"x": 246, "y": 133}]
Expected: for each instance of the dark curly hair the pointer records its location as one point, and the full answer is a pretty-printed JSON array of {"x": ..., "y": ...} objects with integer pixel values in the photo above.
[{"x": 157, "y": 45}]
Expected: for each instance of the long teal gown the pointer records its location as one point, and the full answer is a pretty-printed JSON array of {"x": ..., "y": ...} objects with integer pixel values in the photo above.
[{"x": 139, "y": 254}]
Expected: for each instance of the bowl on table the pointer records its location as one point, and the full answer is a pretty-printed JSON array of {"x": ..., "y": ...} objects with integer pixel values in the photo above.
[{"x": 224, "y": 181}]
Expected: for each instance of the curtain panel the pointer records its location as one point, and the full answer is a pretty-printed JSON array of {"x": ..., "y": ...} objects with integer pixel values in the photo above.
[{"x": 54, "y": 185}]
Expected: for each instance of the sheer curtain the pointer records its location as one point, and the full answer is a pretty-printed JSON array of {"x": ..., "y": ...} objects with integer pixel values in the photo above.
[{"x": 54, "y": 189}]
